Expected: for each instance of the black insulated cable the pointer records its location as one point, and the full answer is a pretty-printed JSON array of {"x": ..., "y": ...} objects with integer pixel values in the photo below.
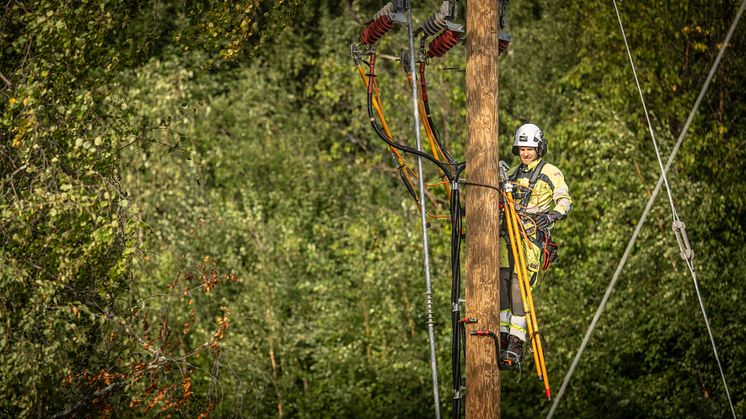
[
  {"x": 458, "y": 331},
  {"x": 428, "y": 115},
  {"x": 456, "y": 226},
  {"x": 384, "y": 137}
]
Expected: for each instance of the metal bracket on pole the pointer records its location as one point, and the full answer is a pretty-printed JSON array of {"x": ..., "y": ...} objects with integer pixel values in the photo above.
[
  {"x": 507, "y": 186},
  {"x": 490, "y": 334},
  {"x": 398, "y": 13}
]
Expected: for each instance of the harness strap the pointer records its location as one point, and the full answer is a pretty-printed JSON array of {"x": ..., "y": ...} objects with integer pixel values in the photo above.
[{"x": 532, "y": 182}]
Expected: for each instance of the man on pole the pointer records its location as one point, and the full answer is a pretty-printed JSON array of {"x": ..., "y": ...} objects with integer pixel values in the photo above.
[{"x": 541, "y": 198}]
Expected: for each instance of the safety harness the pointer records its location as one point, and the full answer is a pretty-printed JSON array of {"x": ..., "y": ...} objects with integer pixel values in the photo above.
[
  {"x": 543, "y": 239},
  {"x": 533, "y": 178}
]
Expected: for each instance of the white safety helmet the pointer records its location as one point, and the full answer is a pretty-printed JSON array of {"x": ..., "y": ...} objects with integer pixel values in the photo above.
[{"x": 530, "y": 135}]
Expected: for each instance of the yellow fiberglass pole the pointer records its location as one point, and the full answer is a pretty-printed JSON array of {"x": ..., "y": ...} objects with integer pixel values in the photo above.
[
  {"x": 526, "y": 285},
  {"x": 514, "y": 244}
]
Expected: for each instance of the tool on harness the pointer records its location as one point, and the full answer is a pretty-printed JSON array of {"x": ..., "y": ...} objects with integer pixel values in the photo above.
[
  {"x": 549, "y": 253},
  {"x": 548, "y": 249}
]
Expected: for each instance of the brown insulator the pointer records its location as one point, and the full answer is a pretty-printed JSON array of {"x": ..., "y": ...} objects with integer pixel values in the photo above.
[
  {"x": 377, "y": 29},
  {"x": 443, "y": 43}
]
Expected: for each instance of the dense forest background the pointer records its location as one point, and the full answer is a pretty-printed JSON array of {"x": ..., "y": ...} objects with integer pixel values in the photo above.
[{"x": 196, "y": 218}]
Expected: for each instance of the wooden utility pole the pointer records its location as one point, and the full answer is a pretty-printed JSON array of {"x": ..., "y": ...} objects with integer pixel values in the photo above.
[{"x": 482, "y": 209}]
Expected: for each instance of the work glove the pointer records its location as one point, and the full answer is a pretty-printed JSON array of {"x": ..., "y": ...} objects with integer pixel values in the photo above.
[{"x": 545, "y": 219}]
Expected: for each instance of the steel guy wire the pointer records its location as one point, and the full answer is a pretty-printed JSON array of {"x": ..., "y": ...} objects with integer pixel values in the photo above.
[{"x": 423, "y": 214}]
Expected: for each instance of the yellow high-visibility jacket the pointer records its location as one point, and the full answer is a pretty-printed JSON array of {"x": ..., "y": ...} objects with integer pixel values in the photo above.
[{"x": 550, "y": 193}]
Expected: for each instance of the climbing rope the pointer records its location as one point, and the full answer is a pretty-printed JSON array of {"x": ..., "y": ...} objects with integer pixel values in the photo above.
[{"x": 681, "y": 237}]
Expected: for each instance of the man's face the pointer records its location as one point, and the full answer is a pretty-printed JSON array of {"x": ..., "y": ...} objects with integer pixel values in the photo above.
[{"x": 527, "y": 154}]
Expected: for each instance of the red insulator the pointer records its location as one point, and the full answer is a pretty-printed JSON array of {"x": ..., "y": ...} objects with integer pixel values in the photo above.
[
  {"x": 443, "y": 43},
  {"x": 373, "y": 32}
]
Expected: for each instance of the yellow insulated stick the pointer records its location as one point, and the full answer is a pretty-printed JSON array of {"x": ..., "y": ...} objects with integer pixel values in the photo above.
[
  {"x": 526, "y": 295},
  {"x": 516, "y": 259}
]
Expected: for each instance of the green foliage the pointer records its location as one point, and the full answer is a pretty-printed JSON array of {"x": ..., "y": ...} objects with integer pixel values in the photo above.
[
  {"x": 66, "y": 226},
  {"x": 234, "y": 29},
  {"x": 316, "y": 276},
  {"x": 69, "y": 231},
  {"x": 196, "y": 218},
  {"x": 649, "y": 355}
]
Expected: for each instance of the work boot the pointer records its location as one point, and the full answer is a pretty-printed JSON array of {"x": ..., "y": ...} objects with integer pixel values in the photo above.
[{"x": 514, "y": 353}]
